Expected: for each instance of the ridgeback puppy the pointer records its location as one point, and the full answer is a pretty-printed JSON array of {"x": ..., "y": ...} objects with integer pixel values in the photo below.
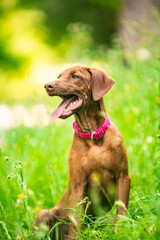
[{"x": 98, "y": 164}]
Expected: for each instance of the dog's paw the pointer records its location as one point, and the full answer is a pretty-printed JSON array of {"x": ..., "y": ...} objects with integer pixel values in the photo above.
[
  {"x": 46, "y": 219},
  {"x": 45, "y": 216}
]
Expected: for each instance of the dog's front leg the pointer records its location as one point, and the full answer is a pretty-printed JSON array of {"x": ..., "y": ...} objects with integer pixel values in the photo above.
[
  {"x": 124, "y": 182},
  {"x": 75, "y": 216},
  {"x": 57, "y": 213}
]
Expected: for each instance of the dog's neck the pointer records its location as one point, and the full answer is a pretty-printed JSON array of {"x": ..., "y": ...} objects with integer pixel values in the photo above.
[{"x": 91, "y": 117}]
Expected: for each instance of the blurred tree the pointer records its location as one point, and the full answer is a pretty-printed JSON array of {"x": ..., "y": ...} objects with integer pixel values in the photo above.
[
  {"x": 100, "y": 14},
  {"x": 30, "y": 28},
  {"x": 135, "y": 16},
  {"x": 26, "y": 25}
]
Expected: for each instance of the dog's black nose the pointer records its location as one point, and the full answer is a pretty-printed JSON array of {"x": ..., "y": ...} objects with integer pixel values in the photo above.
[{"x": 49, "y": 86}]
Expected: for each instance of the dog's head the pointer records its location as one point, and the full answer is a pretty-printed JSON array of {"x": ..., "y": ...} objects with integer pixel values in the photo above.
[{"x": 77, "y": 86}]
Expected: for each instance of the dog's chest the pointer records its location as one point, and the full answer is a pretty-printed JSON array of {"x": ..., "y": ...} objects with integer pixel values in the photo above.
[
  {"x": 91, "y": 159},
  {"x": 99, "y": 157}
]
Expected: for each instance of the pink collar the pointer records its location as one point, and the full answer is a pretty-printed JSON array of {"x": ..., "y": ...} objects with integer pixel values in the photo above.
[{"x": 96, "y": 135}]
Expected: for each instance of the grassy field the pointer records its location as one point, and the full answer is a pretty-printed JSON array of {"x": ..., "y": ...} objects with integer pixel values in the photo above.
[{"x": 33, "y": 161}]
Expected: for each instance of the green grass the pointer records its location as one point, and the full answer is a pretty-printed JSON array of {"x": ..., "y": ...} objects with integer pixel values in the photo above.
[{"x": 37, "y": 159}]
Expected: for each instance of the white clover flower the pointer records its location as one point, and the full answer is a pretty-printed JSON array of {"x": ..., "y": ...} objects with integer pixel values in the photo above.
[
  {"x": 149, "y": 139},
  {"x": 143, "y": 54}
]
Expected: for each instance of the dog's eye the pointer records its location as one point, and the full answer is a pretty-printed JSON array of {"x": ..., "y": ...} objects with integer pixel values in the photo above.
[{"x": 75, "y": 76}]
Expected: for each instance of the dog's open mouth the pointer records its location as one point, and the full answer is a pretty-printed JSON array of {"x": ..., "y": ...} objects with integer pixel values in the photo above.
[{"x": 69, "y": 105}]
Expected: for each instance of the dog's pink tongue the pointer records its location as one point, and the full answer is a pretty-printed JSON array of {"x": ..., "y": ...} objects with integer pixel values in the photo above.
[{"x": 60, "y": 109}]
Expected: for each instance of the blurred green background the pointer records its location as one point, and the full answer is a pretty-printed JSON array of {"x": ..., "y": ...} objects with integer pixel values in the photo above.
[{"x": 39, "y": 39}]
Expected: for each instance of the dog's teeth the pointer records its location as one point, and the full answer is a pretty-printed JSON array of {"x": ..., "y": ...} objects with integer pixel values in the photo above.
[
  {"x": 75, "y": 102},
  {"x": 71, "y": 104}
]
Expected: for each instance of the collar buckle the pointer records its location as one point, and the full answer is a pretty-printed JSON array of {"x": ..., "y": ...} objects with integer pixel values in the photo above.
[{"x": 92, "y": 135}]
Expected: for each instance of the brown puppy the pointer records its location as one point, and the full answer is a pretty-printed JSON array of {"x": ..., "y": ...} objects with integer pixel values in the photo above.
[{"x": 105, "y": 159}]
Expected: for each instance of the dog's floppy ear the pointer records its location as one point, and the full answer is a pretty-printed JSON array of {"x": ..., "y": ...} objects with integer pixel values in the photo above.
[{"x": 101, "y": 83}]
